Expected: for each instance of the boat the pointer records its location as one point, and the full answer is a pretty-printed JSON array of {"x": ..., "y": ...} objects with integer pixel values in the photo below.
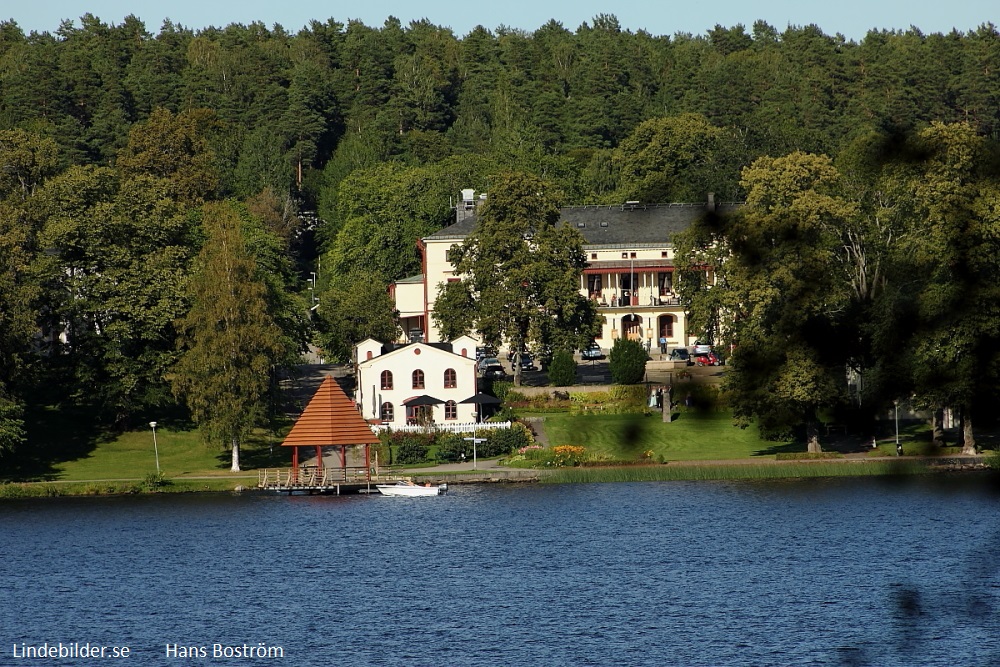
[{"x": 403, "y": 488}]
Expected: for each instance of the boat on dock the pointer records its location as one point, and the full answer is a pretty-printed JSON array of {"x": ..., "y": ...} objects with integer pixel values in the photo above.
[{"x": 404, "y": 488}]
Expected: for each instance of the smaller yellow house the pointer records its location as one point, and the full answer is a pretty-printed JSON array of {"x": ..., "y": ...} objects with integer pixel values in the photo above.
[{"x": 416, "y": 383}]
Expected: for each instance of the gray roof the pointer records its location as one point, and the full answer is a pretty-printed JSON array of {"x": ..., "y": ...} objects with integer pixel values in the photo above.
[{"x": 628, "y": 225}]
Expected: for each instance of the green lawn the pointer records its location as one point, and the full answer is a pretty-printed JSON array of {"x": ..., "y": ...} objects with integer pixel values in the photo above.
[
  {"x": 130, "y": 456},
  {"x": 690, "y": 437}
]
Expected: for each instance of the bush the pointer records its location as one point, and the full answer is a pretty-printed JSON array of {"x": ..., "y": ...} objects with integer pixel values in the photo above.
[
  {"x": 627, "y": 361},
  {"x": 451, "y": 446},
  {"x": 410, "y": 447},
  {"x": 562, "y": 370},
  {"x": 505, "y": 440},
  {"x": 500, "y": 388}
]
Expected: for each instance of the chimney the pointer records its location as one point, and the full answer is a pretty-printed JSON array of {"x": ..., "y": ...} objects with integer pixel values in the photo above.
[{"x": 468, "y": 204}]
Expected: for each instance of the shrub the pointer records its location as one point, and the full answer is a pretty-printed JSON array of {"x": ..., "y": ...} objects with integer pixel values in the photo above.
[
  {"x": 634, "y": 393},
  {"x": 153, "y": 482},
  {"x": 562, "y": 370},
  {"x": 451, "y": 446},
  {"x": 500, "y": 388},
  {"x": 505, "y": 440},
  {"x": 410, "y": 447},
  {"x": 627, "y": 361},
  {"x": 516, "y": 397}
]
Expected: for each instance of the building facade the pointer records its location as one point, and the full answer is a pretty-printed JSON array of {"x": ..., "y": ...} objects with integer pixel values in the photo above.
[
  {"x": 630, "y": 272},
  {"x": 436, "y": 376}
]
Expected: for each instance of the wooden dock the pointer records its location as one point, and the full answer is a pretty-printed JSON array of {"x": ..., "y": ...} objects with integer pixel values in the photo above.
[
  {"x": 330, "y": 481},
  {"x": 341, "y": 481}
]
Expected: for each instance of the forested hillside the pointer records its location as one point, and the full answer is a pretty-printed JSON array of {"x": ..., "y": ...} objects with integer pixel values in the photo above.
[{"x": 330, "y": 151}]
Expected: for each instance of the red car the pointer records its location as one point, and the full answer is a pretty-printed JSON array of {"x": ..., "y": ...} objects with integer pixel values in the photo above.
[{"x": 706, "y": 359}]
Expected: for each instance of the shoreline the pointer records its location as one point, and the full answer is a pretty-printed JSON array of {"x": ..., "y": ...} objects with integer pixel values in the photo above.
[{"x": 491, "y": 473}]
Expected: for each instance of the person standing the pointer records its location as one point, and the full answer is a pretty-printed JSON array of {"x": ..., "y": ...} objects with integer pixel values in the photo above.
[{"x": 663, "y": 344}]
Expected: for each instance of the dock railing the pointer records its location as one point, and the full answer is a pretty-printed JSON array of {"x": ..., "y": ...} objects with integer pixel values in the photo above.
[{"x": 311, "y": 477}]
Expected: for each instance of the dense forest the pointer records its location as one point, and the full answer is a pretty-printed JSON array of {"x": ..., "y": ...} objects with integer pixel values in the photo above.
[{"x": 155, "y": 185}]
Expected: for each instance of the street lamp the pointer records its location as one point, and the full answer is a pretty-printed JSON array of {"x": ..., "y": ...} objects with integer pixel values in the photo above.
[
  {"x": 895, "y": 406},
  {"x": 474, "y": 442},
  {"x": 152, "y": 425}
]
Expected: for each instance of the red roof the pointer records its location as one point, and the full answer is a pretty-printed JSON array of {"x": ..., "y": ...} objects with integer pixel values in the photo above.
[{"x": 330, "y": 419}]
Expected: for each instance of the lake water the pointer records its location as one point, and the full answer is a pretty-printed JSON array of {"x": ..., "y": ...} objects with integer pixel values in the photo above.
[{"x": 830, "y": 572}]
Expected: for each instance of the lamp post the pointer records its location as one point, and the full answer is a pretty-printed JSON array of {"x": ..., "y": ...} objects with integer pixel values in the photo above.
[
  {"x": 895, "y": 407},
  {"x": 474, "y": 442},
  {"x": 156, "y": 452}
]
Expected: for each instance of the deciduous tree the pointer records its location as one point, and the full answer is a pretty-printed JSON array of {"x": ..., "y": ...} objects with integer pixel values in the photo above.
[
  {"x": 524, "y": 268},
  {"x": 232, "y": 346}
]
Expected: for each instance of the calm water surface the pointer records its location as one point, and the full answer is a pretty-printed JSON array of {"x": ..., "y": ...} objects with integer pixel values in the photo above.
[{"x": 838, "y": 572}]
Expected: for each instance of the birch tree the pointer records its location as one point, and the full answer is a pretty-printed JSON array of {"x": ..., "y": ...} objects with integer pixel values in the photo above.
[{"x": 231, "y": 343}]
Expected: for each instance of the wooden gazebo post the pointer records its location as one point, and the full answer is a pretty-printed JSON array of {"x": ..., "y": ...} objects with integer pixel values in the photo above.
[{"x": 330, "y": 419}]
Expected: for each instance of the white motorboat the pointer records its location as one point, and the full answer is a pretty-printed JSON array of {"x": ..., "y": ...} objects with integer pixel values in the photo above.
[{"x": 402, "y": 488}]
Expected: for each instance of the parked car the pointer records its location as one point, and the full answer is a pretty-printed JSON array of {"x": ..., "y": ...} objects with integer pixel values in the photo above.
[
  {"x": 486, "y": 362},
  {"x": 699, "y": 348},
  {"x": 494, "y": 372},
  {"x": 527, "y": 363},
  {"x": 592, "y": 351},
  {"x": 707, "y": 359},
  {"x": 485, "y": 351},
  {"x": 680, "y": 354},
  {"x": 510, "y": 354}
]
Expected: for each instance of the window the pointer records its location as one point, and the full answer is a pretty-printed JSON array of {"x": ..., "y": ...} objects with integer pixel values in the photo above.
[
  {"x": 666, "y": 282},
  {"x": 387, "y": 412},
  {"x": 631, "y": 255},
  {"x": 450, "y": 379},
  {"x": 418, "y": 379},
  {"x": 624, "y": 255},
  {"x": 387, "y": 379},
  {"x": 450, "y": 410},
  {"x": 593, "y": 255},
  {"x": 667, "y": 326},
  {"x": 594, "y": 285}
]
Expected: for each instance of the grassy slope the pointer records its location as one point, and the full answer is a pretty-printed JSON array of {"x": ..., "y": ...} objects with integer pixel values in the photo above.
[
  {"x": 130, "y": 456},
  {"x": 690, "y": 437}
]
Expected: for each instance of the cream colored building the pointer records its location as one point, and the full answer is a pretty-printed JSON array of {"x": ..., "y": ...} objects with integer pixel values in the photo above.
[
  {"x": 390, "y": 376},
  {"x": 630, "y": 272}
]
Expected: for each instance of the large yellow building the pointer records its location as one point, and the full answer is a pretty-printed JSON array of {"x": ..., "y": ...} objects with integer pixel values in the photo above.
[{"x": 630, "y": 272}]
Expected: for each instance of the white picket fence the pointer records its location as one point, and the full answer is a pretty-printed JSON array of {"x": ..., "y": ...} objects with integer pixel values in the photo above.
[{"x": 467, "y": 427}]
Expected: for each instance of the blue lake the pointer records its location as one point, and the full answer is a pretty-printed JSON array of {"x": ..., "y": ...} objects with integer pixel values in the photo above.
[{"x": 829, "y": 572}]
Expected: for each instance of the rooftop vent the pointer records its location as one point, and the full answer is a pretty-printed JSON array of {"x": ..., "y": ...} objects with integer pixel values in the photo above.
[
  {"x": 581, "y": 225},
  {"x": 604, "y": 223}
]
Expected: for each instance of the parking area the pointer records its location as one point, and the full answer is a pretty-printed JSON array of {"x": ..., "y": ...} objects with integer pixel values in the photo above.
[{"x": 659, "y": 370}]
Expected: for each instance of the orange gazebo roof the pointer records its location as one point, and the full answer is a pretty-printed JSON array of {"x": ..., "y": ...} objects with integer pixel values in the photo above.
[{"x": 330, "y": 419}]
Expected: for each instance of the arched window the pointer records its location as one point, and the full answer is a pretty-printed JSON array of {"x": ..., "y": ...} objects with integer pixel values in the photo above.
[
  {"x": 418, "y": 379},
  {"x": 450, "y": 410},
  {"x": 387, "y": 412},
  {"x": 387, "y": 379},
  {"x": 667, "y": 326},
  {"x": 450, "y": 379}
]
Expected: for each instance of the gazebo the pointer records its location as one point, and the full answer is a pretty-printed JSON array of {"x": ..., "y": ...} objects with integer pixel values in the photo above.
[{"x": 330, "y": 420}]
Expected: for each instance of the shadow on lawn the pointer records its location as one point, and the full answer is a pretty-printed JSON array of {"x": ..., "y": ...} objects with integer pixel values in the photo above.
[
  {"x": 258, "y": 452},
  {"x": 56, "y": 436}
]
